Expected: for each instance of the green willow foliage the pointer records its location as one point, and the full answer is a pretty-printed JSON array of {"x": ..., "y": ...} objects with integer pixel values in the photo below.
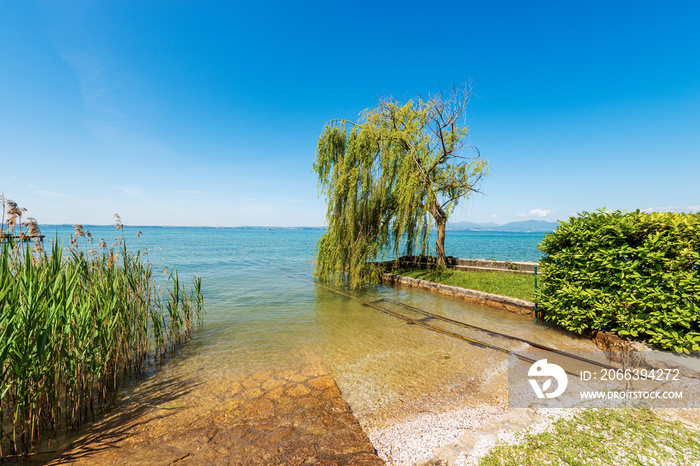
[
  {"x": 388, "y": 179},
  {"x": 635, "y": 274}
]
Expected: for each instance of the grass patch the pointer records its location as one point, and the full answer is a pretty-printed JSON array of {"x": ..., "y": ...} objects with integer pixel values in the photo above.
[
  {"x": 515, "y": 285},
  {"x": 632, "y": 436}
]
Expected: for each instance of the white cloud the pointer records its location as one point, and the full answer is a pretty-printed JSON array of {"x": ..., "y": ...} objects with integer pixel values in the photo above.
[{"x": 537, "y": 213}]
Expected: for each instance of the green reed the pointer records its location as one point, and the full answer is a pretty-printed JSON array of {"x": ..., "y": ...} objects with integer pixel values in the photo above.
[{"x": 74, "y": 323}]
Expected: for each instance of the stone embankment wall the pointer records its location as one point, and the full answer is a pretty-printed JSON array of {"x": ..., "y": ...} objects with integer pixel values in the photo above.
[
  {"x": 517, "y": 306},
  {"x": 466, "y": 264},
  {"x": 514, "y": 305},
  {"x": 493, "y": 266}
]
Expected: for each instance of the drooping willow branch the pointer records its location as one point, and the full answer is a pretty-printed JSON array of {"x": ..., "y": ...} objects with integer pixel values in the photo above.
[{"x": 389, "y": 178}]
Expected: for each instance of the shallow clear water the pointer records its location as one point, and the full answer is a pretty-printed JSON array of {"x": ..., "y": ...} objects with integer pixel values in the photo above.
[{"x": 263, "y": 310}]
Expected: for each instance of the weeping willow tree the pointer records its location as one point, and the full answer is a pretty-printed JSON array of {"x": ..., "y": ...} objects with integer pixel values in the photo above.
[{"x": 389, "y": 179}]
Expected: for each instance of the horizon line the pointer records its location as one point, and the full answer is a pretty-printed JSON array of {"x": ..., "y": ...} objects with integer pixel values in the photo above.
[{"x": 486, "y": 225}]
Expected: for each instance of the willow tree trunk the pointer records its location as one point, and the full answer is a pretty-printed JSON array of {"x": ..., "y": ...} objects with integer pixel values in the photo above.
[
  {"x": 440, "y": 222},
  {"x": 440, "y": 244}
]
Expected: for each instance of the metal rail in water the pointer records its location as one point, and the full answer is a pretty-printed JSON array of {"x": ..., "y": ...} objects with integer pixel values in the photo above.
[{"x": 421, "y": 322}]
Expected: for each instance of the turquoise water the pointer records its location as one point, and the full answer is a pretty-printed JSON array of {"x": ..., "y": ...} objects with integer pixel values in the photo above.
[
  {"x": 178, "y": 243},
  {"x": 494, "y": 245},
  {"x": 263, "y": 310},
  {"x": 255, "y": 310}
]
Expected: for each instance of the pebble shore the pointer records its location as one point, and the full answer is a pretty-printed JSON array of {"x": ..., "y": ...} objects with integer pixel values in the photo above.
[{"x": 458, "y": 437}]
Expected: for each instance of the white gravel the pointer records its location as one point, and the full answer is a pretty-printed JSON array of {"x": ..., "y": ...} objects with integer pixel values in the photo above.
[
  {"x": 405, "y": 443},
  {"x": 420, "y": 438}
]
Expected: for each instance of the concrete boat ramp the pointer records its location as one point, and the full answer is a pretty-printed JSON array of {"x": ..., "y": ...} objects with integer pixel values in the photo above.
[{"x": 293, "y": 417}]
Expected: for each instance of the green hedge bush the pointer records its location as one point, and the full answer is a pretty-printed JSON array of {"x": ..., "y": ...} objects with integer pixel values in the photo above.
[{"x": 636, "y": 274}]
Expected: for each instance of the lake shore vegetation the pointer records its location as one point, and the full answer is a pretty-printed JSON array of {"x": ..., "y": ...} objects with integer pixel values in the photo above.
[
  {"x": 75, "y": 321},
  {"x": 389, "y": 178},
  {"x": 624, "y": 436},
  {"x": 636, "y": 274}
]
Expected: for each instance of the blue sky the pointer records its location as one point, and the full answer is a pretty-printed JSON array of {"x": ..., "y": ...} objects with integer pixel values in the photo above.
[{"x": 207, "y": 113}]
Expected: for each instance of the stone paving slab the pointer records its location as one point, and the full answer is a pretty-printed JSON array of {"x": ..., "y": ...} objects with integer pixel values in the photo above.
[{"x": 296, "y": 416}]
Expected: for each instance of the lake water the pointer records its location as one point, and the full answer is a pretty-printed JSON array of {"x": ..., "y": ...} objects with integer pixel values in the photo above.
[{"x": 263, "y": 310}]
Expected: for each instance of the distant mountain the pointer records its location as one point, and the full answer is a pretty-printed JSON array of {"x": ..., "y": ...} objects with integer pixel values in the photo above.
[{"x": 523, "y": 226}]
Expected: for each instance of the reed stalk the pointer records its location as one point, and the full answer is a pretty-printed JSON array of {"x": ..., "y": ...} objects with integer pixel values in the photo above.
[{"x": 75, "y": 323}]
